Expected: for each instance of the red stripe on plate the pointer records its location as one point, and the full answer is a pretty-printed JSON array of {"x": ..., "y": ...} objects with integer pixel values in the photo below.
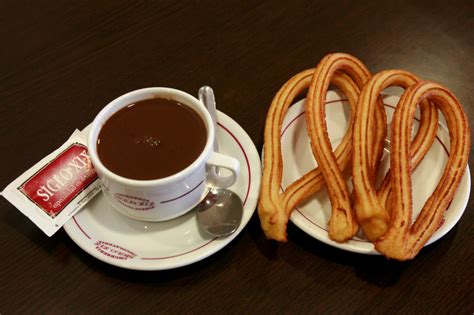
[
  {"x": 246, "y": 159},
  {"x": 80, "y": 228},
  {"x": 180, "y": 254}
]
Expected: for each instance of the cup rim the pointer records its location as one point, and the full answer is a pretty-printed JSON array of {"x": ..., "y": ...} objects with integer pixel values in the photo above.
[{"x": 119, "y": 103}]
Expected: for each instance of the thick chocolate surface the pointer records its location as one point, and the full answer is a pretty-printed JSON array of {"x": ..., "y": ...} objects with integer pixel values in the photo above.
[{"x": 151, "y": 139}]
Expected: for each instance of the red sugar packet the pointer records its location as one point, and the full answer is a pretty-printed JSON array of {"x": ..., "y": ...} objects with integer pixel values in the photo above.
[{"x": 55, "y": 188}]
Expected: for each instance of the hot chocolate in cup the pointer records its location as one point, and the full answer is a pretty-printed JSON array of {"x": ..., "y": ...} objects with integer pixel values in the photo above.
[{"x": 149, "y": 169}]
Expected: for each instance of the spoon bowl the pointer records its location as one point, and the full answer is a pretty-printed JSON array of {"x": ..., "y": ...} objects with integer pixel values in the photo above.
[{"x": 220, "y": 212}]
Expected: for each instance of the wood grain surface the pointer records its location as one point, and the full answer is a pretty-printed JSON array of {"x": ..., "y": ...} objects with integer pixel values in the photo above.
[{"x": 62, "y": 61}]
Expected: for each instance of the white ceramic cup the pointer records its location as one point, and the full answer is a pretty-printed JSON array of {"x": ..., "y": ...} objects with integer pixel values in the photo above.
[{"x": 169, "y": 197}]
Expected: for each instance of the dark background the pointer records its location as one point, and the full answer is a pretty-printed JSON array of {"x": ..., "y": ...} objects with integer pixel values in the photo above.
[{"x": 62, "y": 61}]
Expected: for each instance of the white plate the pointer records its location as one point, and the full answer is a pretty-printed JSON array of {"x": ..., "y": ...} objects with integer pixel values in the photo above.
[
  {"x": 312, "y": 217},
  {"x": 115, "y": 239}
]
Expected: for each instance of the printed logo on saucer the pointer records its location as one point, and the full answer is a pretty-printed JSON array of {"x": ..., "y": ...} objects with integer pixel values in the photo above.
[
  {"x": 135, "y": 203},
  {"x": 114, "y": 251},
  {"x": 59, "y": 182}
]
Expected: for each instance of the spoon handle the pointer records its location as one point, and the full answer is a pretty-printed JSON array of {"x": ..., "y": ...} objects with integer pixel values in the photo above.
[{"x": 206, "y": 96}]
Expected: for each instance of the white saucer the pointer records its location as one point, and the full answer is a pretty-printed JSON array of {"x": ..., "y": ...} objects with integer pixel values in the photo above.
[
  {"x": 312, "y": 217},
  {"x": 117, "y": 240}
]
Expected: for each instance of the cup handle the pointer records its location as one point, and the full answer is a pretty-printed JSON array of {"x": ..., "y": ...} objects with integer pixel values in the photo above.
[{"x": 217, "y": 160}]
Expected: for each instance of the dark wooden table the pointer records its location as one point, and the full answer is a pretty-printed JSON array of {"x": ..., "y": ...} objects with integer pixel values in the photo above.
[{"x": 62, "y": 61}]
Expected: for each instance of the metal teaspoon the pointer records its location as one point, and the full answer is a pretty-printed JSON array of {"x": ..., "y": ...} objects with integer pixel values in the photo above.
[{"x": 221, "y": 211}]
